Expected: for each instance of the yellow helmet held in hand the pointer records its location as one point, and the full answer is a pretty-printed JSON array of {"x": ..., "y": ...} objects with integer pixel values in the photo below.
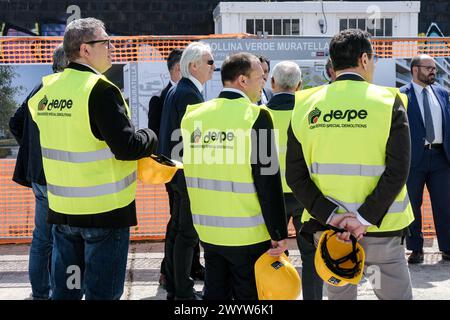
[
  {"x": 157, "y": 169},
  {"x": 339, "y": 263},
  {"x": 276, "y": 278}
]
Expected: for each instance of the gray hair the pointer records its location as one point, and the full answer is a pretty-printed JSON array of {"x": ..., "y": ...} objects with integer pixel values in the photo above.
[
  {"x": 287, "y": 75},
  {"x": 77, "y": 32},
  {"x": 192, "y": 54},
  {"x": 59, "y": 59}
]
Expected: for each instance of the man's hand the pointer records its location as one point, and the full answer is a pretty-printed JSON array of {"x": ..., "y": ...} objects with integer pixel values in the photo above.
[
  {"x": 354, "y": 226},
  {"x": 278, "y": 247}
]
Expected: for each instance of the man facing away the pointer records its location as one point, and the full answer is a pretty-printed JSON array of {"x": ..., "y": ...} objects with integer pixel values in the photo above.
[{"x": 235, "y": 195}]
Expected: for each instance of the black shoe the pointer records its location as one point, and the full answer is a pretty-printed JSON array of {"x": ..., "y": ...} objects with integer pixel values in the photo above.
[
  {"x": 415, "y": 257},
  {"x": 170, "y": 296},
  {"x": 162, "y": 280},
  {"x": 198, "y": 274},
  {"x": 197, "y": 295},
  {"x": 446, "y": 255}
]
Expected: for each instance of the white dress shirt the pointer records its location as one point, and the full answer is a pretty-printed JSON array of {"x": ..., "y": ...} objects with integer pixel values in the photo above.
[
  {"x": 197, "y": 83},
  {"x": 236, "y": 91},
  {"x": 435, "y": 108}
]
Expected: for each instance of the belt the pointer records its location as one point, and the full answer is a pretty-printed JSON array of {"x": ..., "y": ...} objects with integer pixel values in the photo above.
[{"x": 434, "y": 146}]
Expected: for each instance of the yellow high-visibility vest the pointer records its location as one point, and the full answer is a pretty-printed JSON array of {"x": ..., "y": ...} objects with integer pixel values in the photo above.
[
  {"x": 343, "y": 129},
  {"x": 83, "y": 176}
]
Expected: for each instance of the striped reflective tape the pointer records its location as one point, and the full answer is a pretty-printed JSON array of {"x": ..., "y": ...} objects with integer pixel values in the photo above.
[
  {"x": 220, "y": 185},
  {"x": 228, "y": 222},
  {"x": 94, "y": 191},
  {"x": 77, "y": 157},
  {"x": 396, "y": 207},
  {"x": 347, "y": 169}
]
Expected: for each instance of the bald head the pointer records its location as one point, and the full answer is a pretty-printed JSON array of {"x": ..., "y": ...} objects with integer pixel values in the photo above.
[
  {"x": 286, "y": 77},
  {"x": 423, "y": 69}
]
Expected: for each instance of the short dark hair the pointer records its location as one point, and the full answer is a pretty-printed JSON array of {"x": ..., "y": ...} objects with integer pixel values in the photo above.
[
  {"x": 235, "y": 65},
  {"x": 174, "y": 58},
  {"x": 415, "y": 61},
  {"x": 264, "y": 59},
  {"x": 347, "y": 47}
]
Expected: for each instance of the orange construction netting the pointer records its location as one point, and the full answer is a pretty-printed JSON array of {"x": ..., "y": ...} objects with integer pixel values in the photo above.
[
  {"x": 17, "y": 210},
  {"x": 23, "y": 50}
]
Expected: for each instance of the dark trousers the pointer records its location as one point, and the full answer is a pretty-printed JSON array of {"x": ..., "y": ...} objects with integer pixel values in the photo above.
[
  {"x": 312, "y": 284},
  {"x": 181, "y": 239},
  {"x": 229, "y": 272},
  {"x": 434, "y": 171},
  {"x": 196, "y": 265}
]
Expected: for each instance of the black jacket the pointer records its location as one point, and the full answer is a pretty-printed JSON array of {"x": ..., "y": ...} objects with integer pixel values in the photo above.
[
  {"x": 109, "y": 123},
  {"x": 178, "y": 98},
  {"x": 155, "y": 107},
  {"x": 28, "y": 167},
  {"x": 392, "y": 180}
]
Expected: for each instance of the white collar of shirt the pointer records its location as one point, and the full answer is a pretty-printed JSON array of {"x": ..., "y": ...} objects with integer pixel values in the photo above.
[
  {"x": 236, "y": 91},
  {"x": 92, "y": 68},
  {"x": 197, "y": 83},
  {"x": 173, "y": 83},
  {"x": 418, "y": 89},
  {"x": 291, "y": 93}
]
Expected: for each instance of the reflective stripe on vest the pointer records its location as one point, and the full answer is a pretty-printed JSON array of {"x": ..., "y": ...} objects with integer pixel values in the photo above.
[
  {"x": 346, "y": 169},
  {"x": 94, "y": 191},
  {"x": 396, "y": 207},
  {"x": 219, "y": 185},
  {"x": 224, "y": 204},
  {"x": 228, "y": 222},
  {"x": 77, "y": 157}
]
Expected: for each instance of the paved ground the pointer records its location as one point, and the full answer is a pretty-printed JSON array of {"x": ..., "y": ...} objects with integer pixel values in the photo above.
[{"x": 431, "y": 280}]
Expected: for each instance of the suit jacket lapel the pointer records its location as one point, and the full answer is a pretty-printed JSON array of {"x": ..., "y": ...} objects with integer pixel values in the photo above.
[
  {"x": 443, "y": 105},
  {"x": 414, "y": 109}
]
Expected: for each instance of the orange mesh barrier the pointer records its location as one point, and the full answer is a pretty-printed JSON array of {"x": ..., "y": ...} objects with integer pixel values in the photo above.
[
  {"x": 23, "y": 50},
  {"x": 17, "y": 210},
  {"x": 20, "y": 50}
]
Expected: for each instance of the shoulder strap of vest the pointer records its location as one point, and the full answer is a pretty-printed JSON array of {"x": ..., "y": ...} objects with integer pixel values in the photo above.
[
  {"x": 396, "y": 92},
  {"x": 304, "y": 94}
]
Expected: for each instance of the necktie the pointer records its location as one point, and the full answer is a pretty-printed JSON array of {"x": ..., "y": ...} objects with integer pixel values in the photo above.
[{"x": 428, "y": 119}]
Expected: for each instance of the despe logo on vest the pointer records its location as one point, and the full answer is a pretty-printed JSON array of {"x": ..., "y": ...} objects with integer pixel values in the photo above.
[
  {"x": 56, "y": 105},
  {"x": 337, "y": 118},
  {"x": 197, "y": 138}
]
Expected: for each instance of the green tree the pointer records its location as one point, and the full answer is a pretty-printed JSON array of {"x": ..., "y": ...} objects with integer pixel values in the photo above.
[{"x": 7, "y": 103}]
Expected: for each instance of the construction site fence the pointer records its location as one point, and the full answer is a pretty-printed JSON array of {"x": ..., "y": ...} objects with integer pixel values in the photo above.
[
  {"x": 17, "y": 205},
  {"x": 36, "y": 50}
]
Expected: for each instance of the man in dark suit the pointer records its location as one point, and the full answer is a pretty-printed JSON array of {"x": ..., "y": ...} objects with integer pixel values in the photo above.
[
  {"x": 197, "y": 67},
  {"x": 154, "y": 121},
  {"x": 267, "y": 93},
  {"x": 156, "y": 103},
  {"x": 429, "y": 120}
]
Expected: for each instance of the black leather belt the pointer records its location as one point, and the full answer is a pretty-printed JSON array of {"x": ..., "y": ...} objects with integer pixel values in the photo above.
[{"x": 434, "y": 146}]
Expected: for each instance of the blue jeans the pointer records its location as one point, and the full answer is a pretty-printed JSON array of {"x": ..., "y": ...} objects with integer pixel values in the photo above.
[
  {"x": 41, "y": 246},
  {"x": 89, "y": 261}
]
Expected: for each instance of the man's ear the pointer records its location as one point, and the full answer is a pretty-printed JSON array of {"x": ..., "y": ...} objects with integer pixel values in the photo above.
[
  {"x": 272, "y": 83},
  {"x": 299, "y": 86},
  {"x": 364, "y": 60}
]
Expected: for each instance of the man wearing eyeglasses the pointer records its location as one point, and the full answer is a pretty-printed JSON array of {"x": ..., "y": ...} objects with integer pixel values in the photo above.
[
  {"x": 89, "y": 151},
  {"x": 429, "y": 119}
]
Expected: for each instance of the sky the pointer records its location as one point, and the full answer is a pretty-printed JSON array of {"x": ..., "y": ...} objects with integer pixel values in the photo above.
[{"x": 29, "y": 76}]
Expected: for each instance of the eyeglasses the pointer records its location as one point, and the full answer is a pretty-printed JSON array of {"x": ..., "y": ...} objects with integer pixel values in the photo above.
[
  {"x": 428, "y": 68},
  {"x": 104, "y": 41},
  {"x": 210, "y": 62},
  {"x": 375, "y": 57}
]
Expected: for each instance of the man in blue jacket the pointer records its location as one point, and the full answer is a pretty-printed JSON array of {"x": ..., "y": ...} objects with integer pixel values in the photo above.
[
  {"x": 197, "y": 67},
  {"x": 429, "y": 122}
]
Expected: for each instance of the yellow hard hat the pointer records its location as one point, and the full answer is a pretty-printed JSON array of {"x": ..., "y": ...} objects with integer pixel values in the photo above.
[
  {"x": 276, "y": 278},
  {"x": 339, "y": 263},
  {"x": 157, "y": 169}
]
